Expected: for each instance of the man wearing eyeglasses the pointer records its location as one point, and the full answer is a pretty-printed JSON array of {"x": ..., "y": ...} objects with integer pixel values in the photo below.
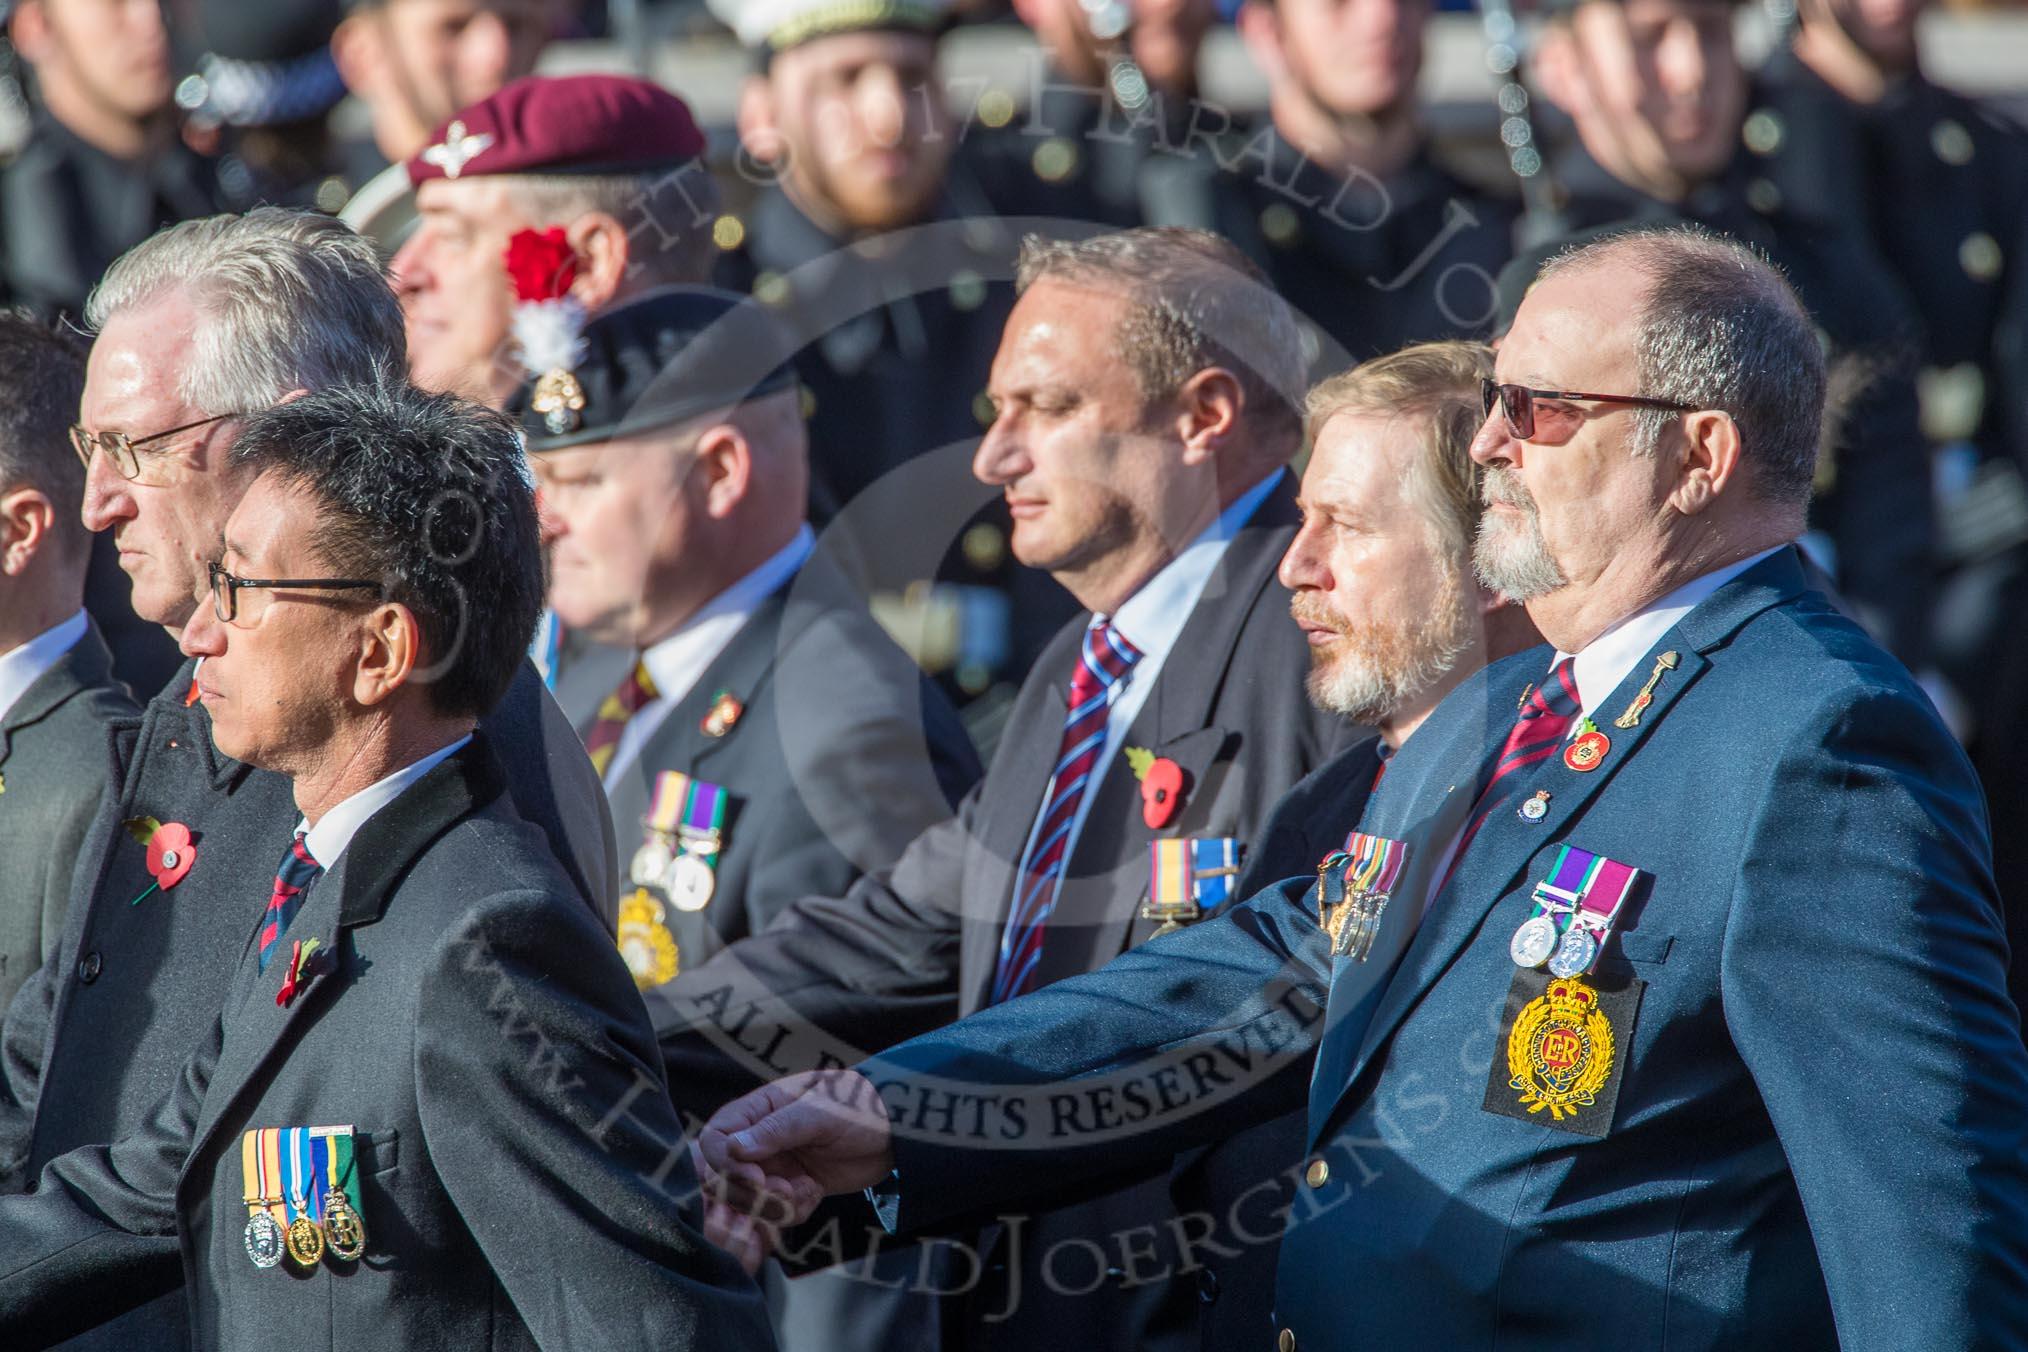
[
  {"x": 397, "y": 1132},
  {"x": 1668, "y": 1002},
  {"x": 202, "y": 325}
]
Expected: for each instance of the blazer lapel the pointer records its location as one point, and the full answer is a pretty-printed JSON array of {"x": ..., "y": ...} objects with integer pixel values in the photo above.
[
  {"x": 1505, "y": 846},
  {"x": 354, "y": 892}
]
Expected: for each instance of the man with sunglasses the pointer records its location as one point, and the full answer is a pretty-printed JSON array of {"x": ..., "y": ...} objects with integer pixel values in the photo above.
[
  {"x": 1770, "y": 1089},
  {"x": 199, "y": 326}
]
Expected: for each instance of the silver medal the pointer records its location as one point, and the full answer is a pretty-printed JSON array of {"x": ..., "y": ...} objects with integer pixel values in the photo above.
[
  {"x": 689, "y": 882},
  {"x": 651, "y": 861},
  {"x": 264, "y": 1240},
  {"x": 1534, "y": 941},
  {"x": 1575, "y": 954}
]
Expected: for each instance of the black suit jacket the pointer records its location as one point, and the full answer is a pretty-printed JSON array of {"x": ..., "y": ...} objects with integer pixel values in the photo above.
[
  {"x": 905, "y": 952},
  {"x": 522, "y": 1179},
  {"x": 841, "y": 755},
  {"x": 148, "y": 978},
  {"x": 50, "y": 780}
]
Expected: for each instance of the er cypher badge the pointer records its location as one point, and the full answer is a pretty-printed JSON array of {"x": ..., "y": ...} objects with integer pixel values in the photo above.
[{"x": 1564, "y": 1055}]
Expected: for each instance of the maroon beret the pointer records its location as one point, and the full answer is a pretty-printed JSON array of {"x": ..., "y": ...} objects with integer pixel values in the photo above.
[{"x": 571, "y": 124}]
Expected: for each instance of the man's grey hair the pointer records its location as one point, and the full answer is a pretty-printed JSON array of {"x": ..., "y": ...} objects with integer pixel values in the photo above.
[
  {"x": 1722, "y": 329},
  {"x": 289, "y": 299},
  {"x": 1194, "y": 301},
  {"x": 668, "y": 215}
]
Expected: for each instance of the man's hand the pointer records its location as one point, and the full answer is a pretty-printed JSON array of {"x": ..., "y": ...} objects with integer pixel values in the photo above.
[{"x": 768, "y": 1159}]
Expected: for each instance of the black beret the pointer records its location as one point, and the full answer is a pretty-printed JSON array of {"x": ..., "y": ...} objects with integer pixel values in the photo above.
[{"x": 667, "y": 356}]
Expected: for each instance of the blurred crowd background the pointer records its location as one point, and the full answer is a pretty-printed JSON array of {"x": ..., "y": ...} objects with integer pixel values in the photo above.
[{"x": 1395, "y": 168}]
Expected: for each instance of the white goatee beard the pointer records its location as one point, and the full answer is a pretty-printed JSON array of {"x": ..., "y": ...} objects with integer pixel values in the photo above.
[{"x": 1511, "y": 556}]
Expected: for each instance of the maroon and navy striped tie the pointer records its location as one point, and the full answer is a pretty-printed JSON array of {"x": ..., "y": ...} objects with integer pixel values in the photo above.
[
  {"x": 1103, "y": 665},
  {"x": 298, "y": 871},
  {"x": 1546, "y": 716}
]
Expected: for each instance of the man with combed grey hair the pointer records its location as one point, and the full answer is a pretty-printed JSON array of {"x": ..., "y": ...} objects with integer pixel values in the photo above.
[
  {"x": 1669, "y": 992},
  {"x": 200, "y": 326}
]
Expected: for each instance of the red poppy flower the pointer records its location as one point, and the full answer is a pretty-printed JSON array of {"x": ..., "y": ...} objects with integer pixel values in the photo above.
[
  {"x": 170, "y": 854},
  {"x": 541, "y": 264}
]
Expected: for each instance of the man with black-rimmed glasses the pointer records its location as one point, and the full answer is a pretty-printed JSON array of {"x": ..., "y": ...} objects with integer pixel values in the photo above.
[{"x": 199, "y": 327}]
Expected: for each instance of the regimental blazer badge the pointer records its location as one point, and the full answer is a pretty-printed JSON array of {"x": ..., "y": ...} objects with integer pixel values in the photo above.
[
  {"x": 1564, "y": 1057},
  {"x": 645, "y": 941},
  {"x": 1560, "y": 1050}
]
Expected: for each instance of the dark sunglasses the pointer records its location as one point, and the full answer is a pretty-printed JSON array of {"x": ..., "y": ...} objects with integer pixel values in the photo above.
[{"x": 1517, "y": 403}]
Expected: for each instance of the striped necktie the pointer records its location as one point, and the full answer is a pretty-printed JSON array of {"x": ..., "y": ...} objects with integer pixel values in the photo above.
[
  {"x": 1547, "y": 713},
  {"x": 603, "y": 738},
  {"x": 298, "y": 870},
  {"x": 1103, "y": 666}
]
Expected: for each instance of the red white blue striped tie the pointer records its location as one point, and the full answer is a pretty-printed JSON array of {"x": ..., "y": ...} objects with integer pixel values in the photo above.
[
  {"x": 298, "y": 870},
  {"x": 1103, "y": 665}
]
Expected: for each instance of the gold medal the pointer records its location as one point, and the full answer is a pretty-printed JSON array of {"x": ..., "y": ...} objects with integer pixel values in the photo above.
[
  {"x": 1560, "y": 1050},
  {"x": 306, "y": 1241},
  {"x": 344, "y": 1231}
]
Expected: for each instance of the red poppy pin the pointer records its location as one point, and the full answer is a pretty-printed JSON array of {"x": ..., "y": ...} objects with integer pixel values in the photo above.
[
  {"x": 725, "y": 711},
  {"x": 1162, "y": 786},
  {"x": 541, "y": 264},
  {"x": 171, "y": 852}
]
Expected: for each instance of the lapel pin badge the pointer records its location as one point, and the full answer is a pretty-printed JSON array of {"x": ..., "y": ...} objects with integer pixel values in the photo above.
[{"x": 1536, "y": 808}]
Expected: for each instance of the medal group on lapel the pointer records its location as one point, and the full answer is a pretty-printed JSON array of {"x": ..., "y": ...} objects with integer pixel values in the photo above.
[{"x": 301, "y": 1186}]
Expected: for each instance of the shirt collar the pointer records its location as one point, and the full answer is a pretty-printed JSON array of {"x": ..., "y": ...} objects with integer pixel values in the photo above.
[
  {"x": 676, "y": 662},
  {"x": 329, "y": 837},
  {"x": 1152, "y": 617},
  {"x": 23, "y": 666},
  {"x": 1608, "y": 659}
]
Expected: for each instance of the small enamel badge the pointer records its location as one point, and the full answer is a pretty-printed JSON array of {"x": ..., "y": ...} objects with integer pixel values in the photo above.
[
  {"x": 1536, "y": 808},
  {"x": 725, "y": 712},
  {"x": 1587, "y": 749}
]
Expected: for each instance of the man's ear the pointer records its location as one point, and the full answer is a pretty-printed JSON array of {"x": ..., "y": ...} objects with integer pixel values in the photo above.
[
  {"x": 758, "y": 131},
  {"x": 1260, "y": 28},
  {"x": 27, "y": 517},
  {"x": 604, "y": 255},
  {"x": 28, "y": 28},
  {"x": 725, "y": 458},
  {"x": 1710, "y": 460},
  {"x": 390, "y": 649},
  {"x": 1208, "y": 409}
]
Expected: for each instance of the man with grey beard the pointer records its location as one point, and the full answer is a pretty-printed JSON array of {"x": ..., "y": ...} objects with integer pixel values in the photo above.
[{"x": 1383, "y": 588}]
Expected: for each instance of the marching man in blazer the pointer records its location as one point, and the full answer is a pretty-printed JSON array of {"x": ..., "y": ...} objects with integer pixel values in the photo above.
[
  {"x": 399, "y": 1132},
  {"x": 1665, "y": 982},
  {"x": 57, "y": 691},
  {"x": 1146, "y": 391},
  {"x": 766, "y": 740}
]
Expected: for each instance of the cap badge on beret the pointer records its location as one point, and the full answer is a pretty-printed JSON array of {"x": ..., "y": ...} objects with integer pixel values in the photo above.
[
  {"x": 549, "y": 324},
  {"x": 457, "y": 149}
]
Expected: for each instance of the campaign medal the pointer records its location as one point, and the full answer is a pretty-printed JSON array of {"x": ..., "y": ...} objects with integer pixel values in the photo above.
[
  {"x": 305, "y": 1238},
  {"x": 651, "y": 861},
  {"x": 1534, "y": 941},
  {"x": 1575, "y": 908},
  {"x": 344, "y": 1228},
  {"x": 260, "y": 1176},
  {"x": 1560, "y": 1050},
  {"x": 1535, "y": 808},
  {"x": 1353, "y": 888},
  {"x": 1632, "y": 717},
  {"x": 645, "y": 941},
  {"x": 689, "y": 882},
  {"x": 1587, "y": 749},
  {"x": 1188, "y": 877}
]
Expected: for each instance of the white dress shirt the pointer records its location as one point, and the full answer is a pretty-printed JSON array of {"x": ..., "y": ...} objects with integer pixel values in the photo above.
[
  {"x": 329, "y": 837},
  {"x": 23, "y": 666},
  {"x": 1151, "y": 619},
  {"x": 679, "y": 661}
]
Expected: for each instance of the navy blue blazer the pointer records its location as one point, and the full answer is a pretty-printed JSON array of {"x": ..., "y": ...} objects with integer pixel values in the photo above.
[{"x": 1823, "y": 1098}]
